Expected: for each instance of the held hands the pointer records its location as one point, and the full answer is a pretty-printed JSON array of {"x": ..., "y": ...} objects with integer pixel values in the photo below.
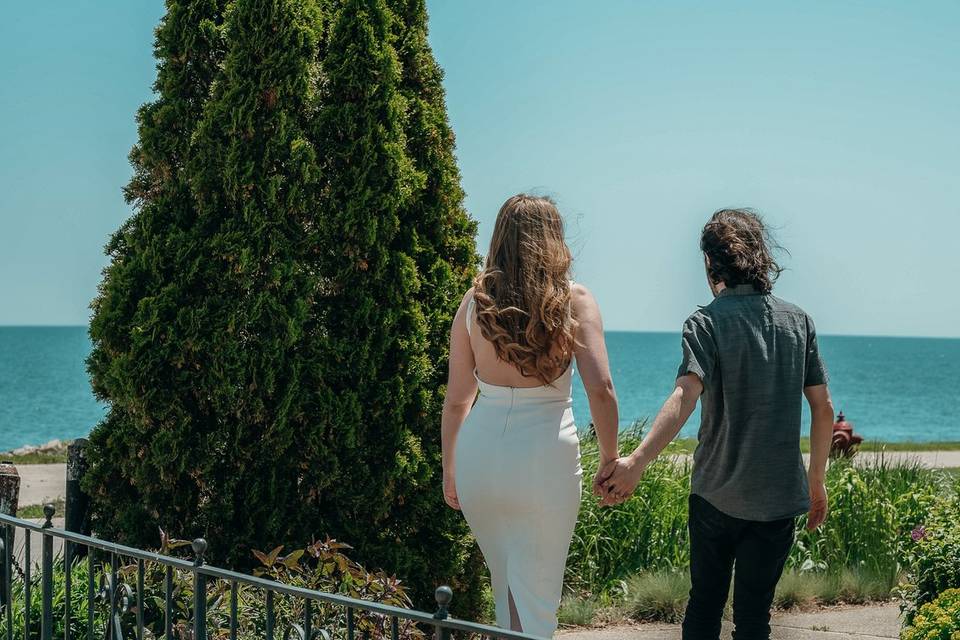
[
  {"x": 617, "y": 480},
  {"x": 450, "y": 491},
  {"x": 818, "y": 504}
]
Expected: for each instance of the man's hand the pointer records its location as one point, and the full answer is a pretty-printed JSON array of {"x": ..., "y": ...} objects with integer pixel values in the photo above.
[
  {"x": 621, "y": 480},
  {"x": 818, "y": 504}
]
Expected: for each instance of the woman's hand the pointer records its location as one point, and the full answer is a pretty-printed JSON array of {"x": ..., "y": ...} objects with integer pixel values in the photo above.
[
  {"x": 621, "y": 479},
  {"x": 604, "y": 470},
  {"x": 450, "y": 491}
]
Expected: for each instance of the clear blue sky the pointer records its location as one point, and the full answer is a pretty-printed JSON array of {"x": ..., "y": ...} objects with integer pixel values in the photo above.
[{"x": 839, "y": 121}]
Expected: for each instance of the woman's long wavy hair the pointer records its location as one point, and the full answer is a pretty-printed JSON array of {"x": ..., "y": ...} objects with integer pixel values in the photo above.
[
  {"x": 523, "y": 293},
  {"x": 739, "y": 250}
]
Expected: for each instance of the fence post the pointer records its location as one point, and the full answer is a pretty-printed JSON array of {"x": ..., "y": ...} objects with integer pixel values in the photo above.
[
  {"x": 443, "y": 596},
  {"x": 76, "y": 518},
  {"x": 46, "y": 579},
  {"x": 199, "y": 591},
  {"x": 9, "y": 497}
]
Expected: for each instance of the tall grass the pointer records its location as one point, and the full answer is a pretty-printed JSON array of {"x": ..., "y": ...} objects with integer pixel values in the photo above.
[
  {"x": 873, "y": 508},
  {"x": 859, "y": 553},
  {"x": 647, "y": 532}
]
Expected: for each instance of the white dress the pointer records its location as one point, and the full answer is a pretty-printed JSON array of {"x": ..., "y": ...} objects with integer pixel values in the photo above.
[{"x": 518, "y": 480}]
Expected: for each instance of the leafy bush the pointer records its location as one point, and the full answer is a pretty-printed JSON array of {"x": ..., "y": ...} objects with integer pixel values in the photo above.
[
  {"x": 322, "y": 566},
  {"x": 934, "y": 556},
  {"x": 936, "y": 620}
]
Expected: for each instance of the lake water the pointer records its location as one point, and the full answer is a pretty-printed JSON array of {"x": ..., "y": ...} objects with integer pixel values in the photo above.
[{"x": 891, "y": 388}]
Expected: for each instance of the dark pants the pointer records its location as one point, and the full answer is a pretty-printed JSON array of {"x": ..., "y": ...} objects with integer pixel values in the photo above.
[{"x": 718, "y": 543}]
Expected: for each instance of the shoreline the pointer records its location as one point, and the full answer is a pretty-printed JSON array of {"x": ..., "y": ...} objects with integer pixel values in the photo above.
[{"x": 55, "y": 451}]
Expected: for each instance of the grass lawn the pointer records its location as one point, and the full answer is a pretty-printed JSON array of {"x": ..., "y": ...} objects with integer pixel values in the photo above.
[
  {"x": 687, "y": 445},
  {"x": 34, "y": 511},
  {"x": 36, "y": 458}
]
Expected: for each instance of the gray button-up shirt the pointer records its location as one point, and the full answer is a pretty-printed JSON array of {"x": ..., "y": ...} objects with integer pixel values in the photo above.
[{"x": 755, "y": 354}]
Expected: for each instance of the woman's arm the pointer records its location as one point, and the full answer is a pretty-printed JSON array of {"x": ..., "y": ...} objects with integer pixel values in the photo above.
[
  {"x": 594, "y": 368},
  {"x": 460, "y": 396}
]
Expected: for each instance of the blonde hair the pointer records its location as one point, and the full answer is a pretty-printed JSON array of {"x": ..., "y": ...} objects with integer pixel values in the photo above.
[{"x": 523, "y": 292}]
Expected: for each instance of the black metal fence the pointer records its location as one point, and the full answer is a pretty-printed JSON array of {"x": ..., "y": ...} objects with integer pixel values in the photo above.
[{"x": 115, "y": 597}]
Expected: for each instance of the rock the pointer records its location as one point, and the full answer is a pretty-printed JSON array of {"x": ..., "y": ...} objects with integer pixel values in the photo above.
[{"x": 53, "y": 445}]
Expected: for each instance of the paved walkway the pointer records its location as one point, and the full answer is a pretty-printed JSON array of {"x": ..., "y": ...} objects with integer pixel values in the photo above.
[
  {"x": 931, "y": 459},
  {"x": 40, "y": 483},
  {"x": 846, "y": 623}
]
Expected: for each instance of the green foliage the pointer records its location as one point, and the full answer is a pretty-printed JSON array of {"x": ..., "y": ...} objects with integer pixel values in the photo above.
[
  {"x": 858, "y": 555},
  {"x": 322, "y": 566},
  {"x": 873, "y": 508},
  {"x": 936, "y": 620},
  {"x": 393, "y": 278},
  {"x": 576, "y": 611},
  {"x": 657, "y": 595},
  {"x": 269, "y": 333},
  {"x": 850, "y": 586},
  {"x": 35, "y": 511},
  {"x": 933, "y": 556},
  {"x": 78, "y": 604},
  {"x": 647, "y": 532}
]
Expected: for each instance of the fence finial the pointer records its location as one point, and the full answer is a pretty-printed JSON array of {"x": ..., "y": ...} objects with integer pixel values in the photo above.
[
  {"x": 48, "y": 512},
  {"x": 199, "y": 549},
  {"x": 443, "y": 595}
]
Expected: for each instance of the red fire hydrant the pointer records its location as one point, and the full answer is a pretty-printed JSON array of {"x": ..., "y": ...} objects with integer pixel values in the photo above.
[{"x": 845, "y": 442}]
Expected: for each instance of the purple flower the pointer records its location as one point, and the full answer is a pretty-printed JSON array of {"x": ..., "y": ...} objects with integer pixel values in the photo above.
[{"x": 918, "y": 534}]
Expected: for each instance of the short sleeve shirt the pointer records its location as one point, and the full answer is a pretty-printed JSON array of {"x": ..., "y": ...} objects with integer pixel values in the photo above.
[{"x": 754, "y": 354}]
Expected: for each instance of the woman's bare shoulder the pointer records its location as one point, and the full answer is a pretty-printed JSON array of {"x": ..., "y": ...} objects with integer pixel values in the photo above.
[{"x": 581, "y": 297}]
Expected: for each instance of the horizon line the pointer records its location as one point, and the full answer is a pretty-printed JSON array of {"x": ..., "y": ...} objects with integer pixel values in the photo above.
[{"x": 654, "y": 331}]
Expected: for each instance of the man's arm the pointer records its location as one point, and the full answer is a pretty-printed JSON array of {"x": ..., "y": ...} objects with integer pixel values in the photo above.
[
  {"x": 620, "y": 477},
  {"x": 821, "y": 434}
]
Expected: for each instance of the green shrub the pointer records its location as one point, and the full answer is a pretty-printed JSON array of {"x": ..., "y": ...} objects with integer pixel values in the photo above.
[
  {"x": 934, "y": 556},
  {"x": 322, "y": 566},
  {"x": 657, "y": 596},
  {"x": 797, "y": 589},
  {"x": 873, "y": 508},
  {"x": 936, "y": 620},
  {"x": 577, "y": 611},
  {"x": 268, "y": 333},
  {"x": 847, "y": 586}
]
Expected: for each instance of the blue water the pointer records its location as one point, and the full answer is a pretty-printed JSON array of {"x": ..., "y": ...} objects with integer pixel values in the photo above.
[{"x": 891, "y": 388}]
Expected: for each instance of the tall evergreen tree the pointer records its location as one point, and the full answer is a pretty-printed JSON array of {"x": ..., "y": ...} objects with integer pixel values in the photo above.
[
  {"x": 131, "y": 318},
  {"x": 442, "y": 234},
  {"x": 271, "y": 334},
  {"x": 204, "y": 337},
  {"x": 379, "y": 391}
]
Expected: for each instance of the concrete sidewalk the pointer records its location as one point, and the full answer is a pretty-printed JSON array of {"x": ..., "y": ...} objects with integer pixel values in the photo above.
[
  {"x": 930, "y": 459},
  {"x": 843, "y": 623},
  {"x": 40, "y": 483}
]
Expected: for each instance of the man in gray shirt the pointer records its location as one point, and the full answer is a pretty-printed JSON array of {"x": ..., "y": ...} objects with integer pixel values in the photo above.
[{"x": 750, "y": 358}]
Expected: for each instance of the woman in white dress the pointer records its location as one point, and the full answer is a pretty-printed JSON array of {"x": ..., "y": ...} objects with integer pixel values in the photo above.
[{"x": 511, "y": 457}]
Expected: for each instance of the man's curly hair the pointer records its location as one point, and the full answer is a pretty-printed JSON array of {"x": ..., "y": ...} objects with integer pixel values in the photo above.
[{"x": 738, "y": 248}]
